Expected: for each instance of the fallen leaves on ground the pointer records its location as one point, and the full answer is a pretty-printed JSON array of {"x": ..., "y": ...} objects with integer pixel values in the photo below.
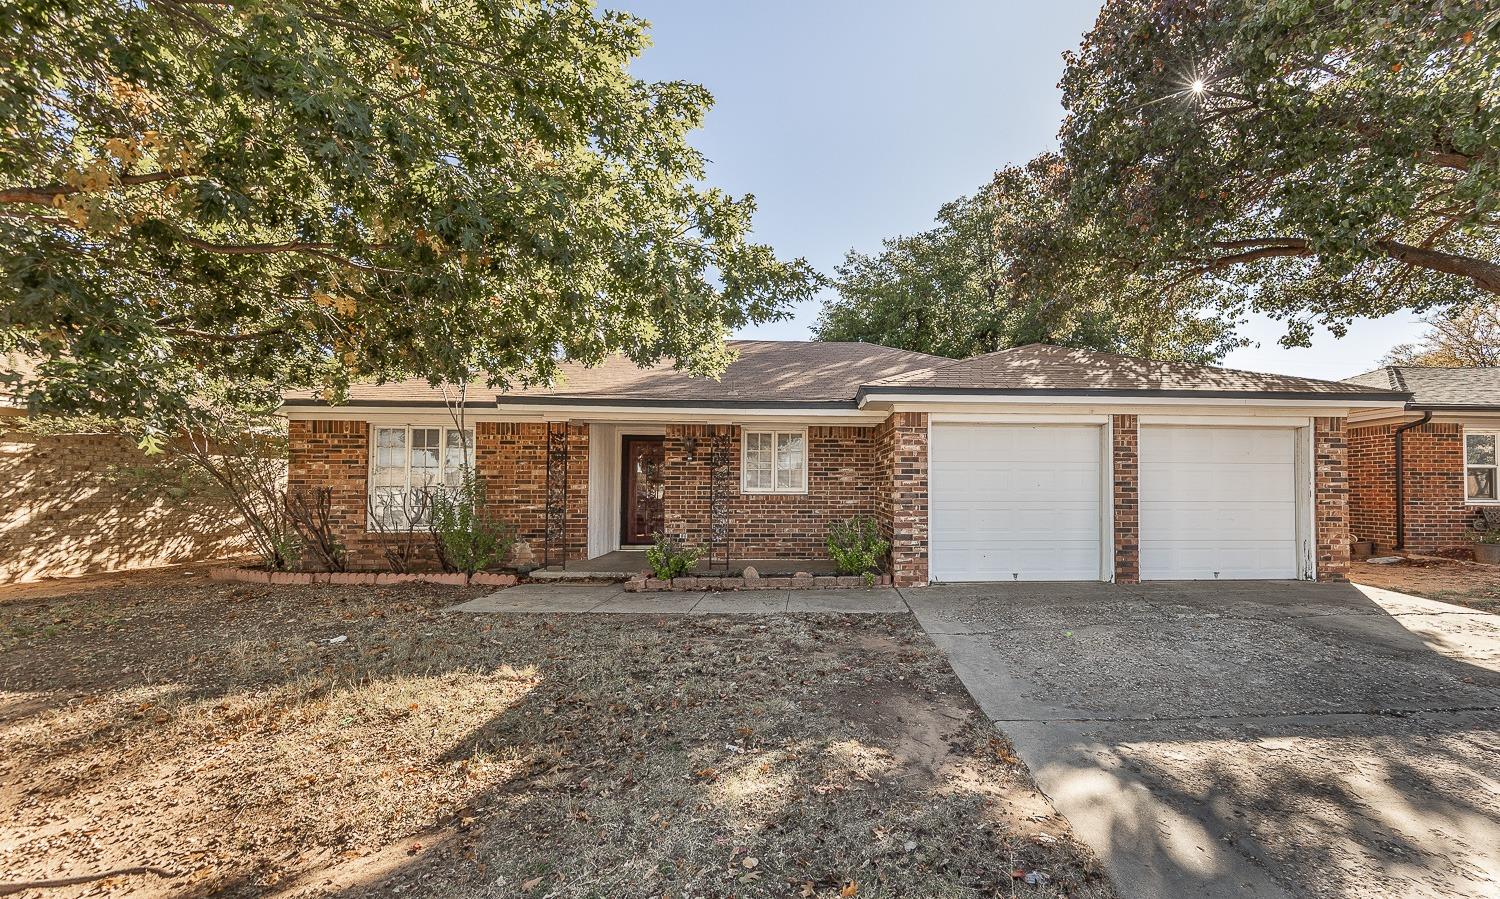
[{"x": 214, "y": 731}]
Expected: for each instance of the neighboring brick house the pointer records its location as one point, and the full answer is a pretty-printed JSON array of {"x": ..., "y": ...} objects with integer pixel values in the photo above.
[
  {"x": 1445, "y": 438},
  {"x": 1034, "y": 463}
]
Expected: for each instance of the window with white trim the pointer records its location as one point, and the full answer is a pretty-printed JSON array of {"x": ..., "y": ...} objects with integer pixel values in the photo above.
[
  {"x": 773, "y": 461},
  {"x": 1481, "y": 472},
  {"x": 407, "y": 464}
]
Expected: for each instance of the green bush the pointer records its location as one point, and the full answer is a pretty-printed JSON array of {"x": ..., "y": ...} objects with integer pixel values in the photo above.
[
  {"x": 856, "y": 546},
  {"x": 468, "y": 539},
  {"x": 668, "y": 558}
]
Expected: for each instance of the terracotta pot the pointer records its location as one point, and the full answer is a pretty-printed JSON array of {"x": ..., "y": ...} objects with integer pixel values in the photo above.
[
  {"x": 1489, "y": 553},
  {"x": 1362, "y": 549}
]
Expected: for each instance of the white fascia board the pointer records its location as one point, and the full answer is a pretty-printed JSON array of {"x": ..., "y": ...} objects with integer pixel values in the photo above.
[
  {"x": 419, "y": 415},
  {"x": 959, "y": 402},
  {"x": 801, "y": 416},
  {"x": 1366, "y": 419},
  {"x": 696, "y": 414}
]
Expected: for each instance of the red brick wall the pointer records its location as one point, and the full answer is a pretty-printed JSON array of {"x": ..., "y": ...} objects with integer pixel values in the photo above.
[
  {"x": 73, "y": 504},
  {"x": 1331, "y": 498},
  {"x": 1126, "y": 464},
  {"x": 1372, "y": 490},
  {"x": 1436, "y": 515},
  {"x": 901, "y": 488},
  {"x": 512, "y": 457},
  {"x": 841, "y": 485}
]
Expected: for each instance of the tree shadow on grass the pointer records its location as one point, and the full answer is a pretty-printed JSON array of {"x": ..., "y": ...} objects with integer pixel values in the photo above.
[{"x": 455, "y": 754}]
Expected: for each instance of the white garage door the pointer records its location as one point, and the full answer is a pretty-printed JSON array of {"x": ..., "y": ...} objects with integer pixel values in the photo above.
[
  {"x": 1218, "y": 503},
  {"x": 1015, "y": 502}
]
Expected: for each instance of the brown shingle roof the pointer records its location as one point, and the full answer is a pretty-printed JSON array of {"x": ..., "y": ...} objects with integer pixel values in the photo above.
[
  {"x": 766, "y": 372},
  {"x": 1038, "y": 367},
  {"x": 1470, "y": 388}
]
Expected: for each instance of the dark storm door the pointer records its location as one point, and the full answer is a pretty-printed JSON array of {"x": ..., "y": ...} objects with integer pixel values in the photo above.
[{"x": 643, "y": 490}]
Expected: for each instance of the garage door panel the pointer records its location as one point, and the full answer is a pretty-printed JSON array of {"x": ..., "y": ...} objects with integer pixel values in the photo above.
[
  {"x": 1015, "y": 502},
  {"x": 1218, "y": 503}
]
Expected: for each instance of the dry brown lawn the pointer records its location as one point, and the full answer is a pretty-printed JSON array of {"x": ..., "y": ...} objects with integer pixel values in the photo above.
[
  {"x": 1459, "y": 582},
  {"x": 213, "y": 739}
]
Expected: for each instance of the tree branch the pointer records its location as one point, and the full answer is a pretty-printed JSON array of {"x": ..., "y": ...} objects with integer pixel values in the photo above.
[
  {"x": 1485, "y": 275},
  {"x": 225, "y": 338},
  {"x": 1447, "y": 160},
  {"x": 44, "y": 195}
]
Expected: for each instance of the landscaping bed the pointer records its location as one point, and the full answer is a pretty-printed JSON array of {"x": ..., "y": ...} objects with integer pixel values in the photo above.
[
  {"x": 319, "y": 740},
  {"x": 1447, "y": 580}
]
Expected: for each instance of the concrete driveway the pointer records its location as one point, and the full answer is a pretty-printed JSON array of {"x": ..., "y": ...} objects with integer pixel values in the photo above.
[{"x": 1247, "y": 739}]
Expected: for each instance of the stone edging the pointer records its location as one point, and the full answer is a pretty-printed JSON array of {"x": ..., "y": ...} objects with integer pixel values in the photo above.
[
  {"x": 798, "y": 582},
  {"x": 352, "y": 578}
]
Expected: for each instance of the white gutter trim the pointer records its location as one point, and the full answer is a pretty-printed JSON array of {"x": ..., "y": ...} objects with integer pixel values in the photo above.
[
  {"x": 909, "y": 402},
  {"x": 572, "y": 412}
]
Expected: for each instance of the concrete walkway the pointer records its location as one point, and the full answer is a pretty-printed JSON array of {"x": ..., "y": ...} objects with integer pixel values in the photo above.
[
  {"x": 612, "y": 598},
  {"x": 1266, "y": 740}
]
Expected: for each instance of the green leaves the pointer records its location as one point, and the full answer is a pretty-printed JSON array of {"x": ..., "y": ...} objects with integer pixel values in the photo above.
[
  {"x": 481, "y": 184},
  {"x": 1006, "y": 267},
  {"x": 1329, "y": 142}
]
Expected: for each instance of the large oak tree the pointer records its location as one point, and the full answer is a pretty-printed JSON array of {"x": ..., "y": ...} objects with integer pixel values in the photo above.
[
  {"x": 1319, "y": 160},
  {"x": 1003, "y": 268},
  {"x": 199, "y": 193}
]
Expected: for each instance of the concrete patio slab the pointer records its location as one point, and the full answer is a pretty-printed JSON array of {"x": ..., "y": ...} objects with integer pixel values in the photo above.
[
  {"x": 649, "y": 604},
  {"x": 544, "y": 598},
  {"x": 875, "y": 600},
  {"x": 749, "y": 602},
  {"x": 1282, "y": 739}
]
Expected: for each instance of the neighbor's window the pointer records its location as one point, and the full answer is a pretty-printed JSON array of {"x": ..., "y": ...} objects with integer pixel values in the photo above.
[
  {"x": 1479, "y": 465},
  {"x": 774, "y": 462},
  {"x": 409, "y": 462}
]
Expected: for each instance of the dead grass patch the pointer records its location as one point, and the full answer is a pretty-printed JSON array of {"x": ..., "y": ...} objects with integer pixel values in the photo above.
[
  {"x": 217, "y": 732},
  {"x": 1459, "y": 582}
]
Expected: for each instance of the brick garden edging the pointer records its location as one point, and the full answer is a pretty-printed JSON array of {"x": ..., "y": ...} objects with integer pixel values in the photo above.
[
  {"x": 801, "y": 582},
  {"x": 356, "y": 578}
]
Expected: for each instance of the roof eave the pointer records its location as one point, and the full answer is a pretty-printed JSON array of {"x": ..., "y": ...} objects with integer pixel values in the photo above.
[
  {"x": 1454, "y": 407},
  {"x": 919, "y": 392}
]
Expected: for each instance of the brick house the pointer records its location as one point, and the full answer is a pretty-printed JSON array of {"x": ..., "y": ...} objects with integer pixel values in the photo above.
[
  {"x": 1421, "y": 476},
  {"x": 1034, "y": 463}
]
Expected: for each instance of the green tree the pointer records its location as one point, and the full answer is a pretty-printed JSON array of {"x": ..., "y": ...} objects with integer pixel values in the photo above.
[
  {"x": 1001, "y": 269},
  {"x": 1465, "y": 337},
  {"x": 196, "y": 192},
  {"x": 1318, "y": 161}
]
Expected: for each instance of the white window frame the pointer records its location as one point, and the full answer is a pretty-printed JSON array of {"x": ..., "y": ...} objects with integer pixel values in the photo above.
[
  {"x": 776, "y": 434},
  {"x": 374, "y": 454},
  {"x": 1494, "y": 467}
]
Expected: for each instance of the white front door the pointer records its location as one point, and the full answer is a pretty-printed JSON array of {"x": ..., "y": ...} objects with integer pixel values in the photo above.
[
  {"x": 1218, "y": 503},
  {"x": 1015, "y": 502}
]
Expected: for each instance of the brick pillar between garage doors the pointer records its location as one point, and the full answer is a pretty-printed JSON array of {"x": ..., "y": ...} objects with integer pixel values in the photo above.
[
  {"x": 1126, "y": 465},
  {"x": 1331, "y": 498}
]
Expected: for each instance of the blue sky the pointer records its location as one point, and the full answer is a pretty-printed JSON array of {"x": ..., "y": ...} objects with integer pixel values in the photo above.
[{"x": 854, "y": 121}]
